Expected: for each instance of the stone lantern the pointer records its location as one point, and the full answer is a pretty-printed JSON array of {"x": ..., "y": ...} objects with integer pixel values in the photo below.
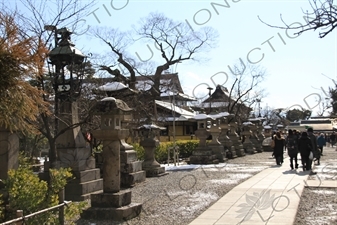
[
  {"x": 113, "y": 203},
  {"x": 257, "y": 136},
  {"x": 149, "y": 142},
  {"x": 203, "y": 154},
  {"x": 280, "y": 128},
  {"x": 248, "y": 144},
  {"x": 235, "y": 137},
  {"x": 66, "y": 71},
  {"x": 268, "y": 131},
  {"x": 223, "y": 137}
]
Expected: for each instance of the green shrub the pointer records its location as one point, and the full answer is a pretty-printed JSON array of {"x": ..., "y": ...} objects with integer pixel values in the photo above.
[
  {"x": 28, "y": 193},
  {"x": 161, "y": 153},
  {"x": 186, "y": 148},
  {"x": 140, "y": 151}
]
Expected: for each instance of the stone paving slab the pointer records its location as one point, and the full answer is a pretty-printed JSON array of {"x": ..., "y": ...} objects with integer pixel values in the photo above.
[{"x": 271, "y": 197}]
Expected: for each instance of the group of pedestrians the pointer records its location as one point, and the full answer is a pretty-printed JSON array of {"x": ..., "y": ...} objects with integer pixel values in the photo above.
[{"x": 306, "y": 143}]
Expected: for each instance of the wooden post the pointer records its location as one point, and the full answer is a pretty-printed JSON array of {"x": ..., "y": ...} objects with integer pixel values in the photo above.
[
  {"x": 19, "y": 213},
  {"x": 61, "y": 209}
]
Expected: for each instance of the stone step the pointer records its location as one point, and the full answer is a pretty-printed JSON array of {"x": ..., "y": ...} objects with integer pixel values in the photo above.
[
  {"x": 80, "y": 198},
  {"x": 131, "y": 167},
  {"x": 128, "y": 156},
  {"x": 130, "y": 179},
  {"x": 79, "y": 189},
  {"x": 111, "y": 200},
  {"x": 113, "y": 214},
  {"x": 85, "y": 176}
]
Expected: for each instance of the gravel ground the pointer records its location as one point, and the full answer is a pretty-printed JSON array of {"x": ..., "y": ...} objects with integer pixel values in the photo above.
[{"x": 182, "y": 195}]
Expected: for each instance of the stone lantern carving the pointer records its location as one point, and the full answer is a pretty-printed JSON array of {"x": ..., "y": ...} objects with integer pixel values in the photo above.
[
  {"x": 113, "y": 203},
  {"x": 149, "y": 142},
  {"x": 203, "y": 154},
  {"x": 248, "y": 144}
]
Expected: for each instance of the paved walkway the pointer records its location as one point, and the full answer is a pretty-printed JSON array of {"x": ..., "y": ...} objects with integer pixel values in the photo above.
[{"x": 271, "y": 198}]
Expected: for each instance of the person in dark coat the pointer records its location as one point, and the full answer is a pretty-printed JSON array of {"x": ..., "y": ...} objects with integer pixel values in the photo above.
[
  {"x": 321, "y": 142},
  {"x": 279, "y": 148},
  {"x": 305, "y": 147},
  {"x": 292, "y": 146},
  {"x": 315, "y": 151}
]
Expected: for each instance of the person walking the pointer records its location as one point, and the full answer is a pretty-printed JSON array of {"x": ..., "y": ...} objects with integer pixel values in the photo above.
[
  {"x": 279, "y": 148},
  {"x": 305, "y": 147},
  {"x": 292, "y": 146},
  {"x": 333, "y": 139},
  {"x": 321, "y": 142},
  {"x": 315, "y": 151}
]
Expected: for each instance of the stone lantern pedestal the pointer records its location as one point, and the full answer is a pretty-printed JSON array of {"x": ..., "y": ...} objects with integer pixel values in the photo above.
[
  {"x": 248, "y": 144},
  {"x": 113, "y": 203},
  {"x": 203, "y": 154},
  {"x": 74, "y": 153},
  {"x": 9, "y": 152},
  {"x": 225, "y": 140},
  {"x": 236, "y": 140},
  {"x": 149, "y": 142}
]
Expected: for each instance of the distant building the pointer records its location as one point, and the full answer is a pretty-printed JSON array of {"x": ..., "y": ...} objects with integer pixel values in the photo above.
[{"x": 319, "y": 124}]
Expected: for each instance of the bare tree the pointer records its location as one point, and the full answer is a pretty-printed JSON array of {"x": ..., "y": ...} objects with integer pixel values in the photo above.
[
  {"x": 322, "y": 16},
  {"x": 175, "y": 41},
  {"x": 245, "y": 91}
]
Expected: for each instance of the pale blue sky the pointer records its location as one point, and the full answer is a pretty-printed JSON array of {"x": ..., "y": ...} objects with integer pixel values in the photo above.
[{"x": 294, "y": 69}]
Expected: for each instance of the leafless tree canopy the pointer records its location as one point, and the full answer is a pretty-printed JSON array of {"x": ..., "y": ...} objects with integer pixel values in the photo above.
[
  {"x": 176, "y": 41},
  {"x": 245, "y": 89},
  {"x": 322, "y": 16}
]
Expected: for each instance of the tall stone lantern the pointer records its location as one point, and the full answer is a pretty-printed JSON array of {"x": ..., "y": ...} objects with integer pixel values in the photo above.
[
  {"x": 114, "y": 203},
  {"x": 66, "y": 70}
]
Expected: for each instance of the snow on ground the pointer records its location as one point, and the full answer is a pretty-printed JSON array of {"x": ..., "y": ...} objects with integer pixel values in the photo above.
[{"x": 198, "y": 200}]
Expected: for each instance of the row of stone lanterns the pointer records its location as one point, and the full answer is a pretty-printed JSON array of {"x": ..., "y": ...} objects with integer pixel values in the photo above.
[{"x": 225, "y": 142}]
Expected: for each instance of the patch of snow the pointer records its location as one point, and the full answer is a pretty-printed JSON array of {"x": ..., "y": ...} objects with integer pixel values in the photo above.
[
  {"x": 224, "y": 181},
  {"x": 239, "y": 176},
  {"x": 198, "y": 200},
  {"x": 326, "y": 192}
]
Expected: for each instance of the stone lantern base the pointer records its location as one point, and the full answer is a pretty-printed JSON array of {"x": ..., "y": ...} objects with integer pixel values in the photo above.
[
  {"x": 257, "y": 144},
  {"x": 112, "y": 206},
  {"x": 203, "y": 155},
  {"x": 249, "y": 147},
  {"x": 237, "y": 145},
  {"x": 85, "y": 182},
  {"x": 131, "y": 168}
]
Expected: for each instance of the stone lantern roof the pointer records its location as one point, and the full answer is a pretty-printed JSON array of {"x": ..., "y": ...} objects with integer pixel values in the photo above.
[{"x": 111, "y": 104}]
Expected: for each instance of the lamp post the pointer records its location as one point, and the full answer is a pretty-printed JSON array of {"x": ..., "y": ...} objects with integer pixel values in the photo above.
[
  {"x": 210, "y": 98},
  {"x": 258, "y": 103},
  {"x": 66, "y": 70}
]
